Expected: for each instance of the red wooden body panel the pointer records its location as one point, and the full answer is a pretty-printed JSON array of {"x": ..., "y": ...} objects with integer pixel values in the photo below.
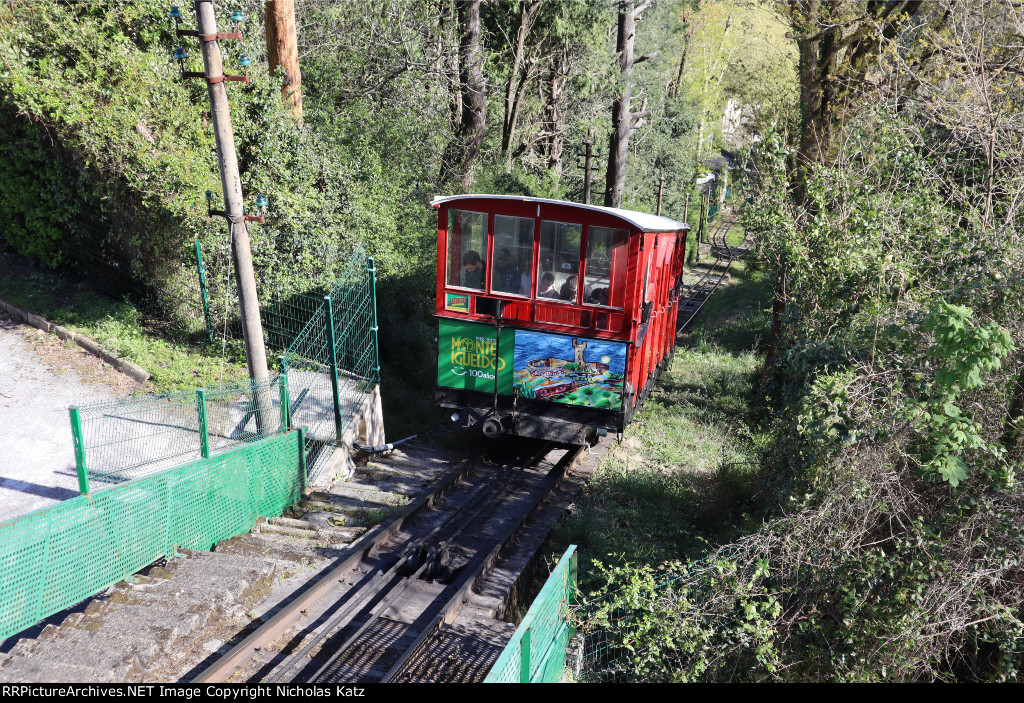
[
  {"x": 654, "y": 258},
  {"x": 585, "y": 319}
]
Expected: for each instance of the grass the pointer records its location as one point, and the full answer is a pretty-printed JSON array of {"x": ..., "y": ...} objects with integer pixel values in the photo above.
[
  {"x": 684, "y": 478},
  {"x": 735, "y": 235},
  {"x": 175, "y": 363}
]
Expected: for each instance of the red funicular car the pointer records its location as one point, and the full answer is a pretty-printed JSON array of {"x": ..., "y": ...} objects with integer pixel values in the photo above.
[{"x": 554, "y": 318}]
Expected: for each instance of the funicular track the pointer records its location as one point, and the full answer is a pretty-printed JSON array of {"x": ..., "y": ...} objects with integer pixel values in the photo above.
[
  {"x": 378, "y": 611},
  {"x": 693, "y": 296}
]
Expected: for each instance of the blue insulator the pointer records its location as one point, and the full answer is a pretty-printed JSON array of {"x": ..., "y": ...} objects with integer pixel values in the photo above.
[
  {"x": 175, "y": 12},
  {"x": 244, "y": 60},
  {"x": 261, "y": 200},
  {"x": 237, "y": 16},
  {"x": 180, "y": 54}
]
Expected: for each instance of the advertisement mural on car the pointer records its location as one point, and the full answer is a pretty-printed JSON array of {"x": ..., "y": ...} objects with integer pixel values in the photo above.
[
  {"x": 569, "y": 370},
  {"x": 469, "y": 357},
  {"x": 541, "y": 366}
]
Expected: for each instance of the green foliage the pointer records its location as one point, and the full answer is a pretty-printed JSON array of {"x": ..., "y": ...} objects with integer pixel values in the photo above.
[
  {"x": 892, "y": 536},
  {"x": 94, "y": 125},
  {"x": 663, "y": 634},
  {"x": 965, "y": 351}
]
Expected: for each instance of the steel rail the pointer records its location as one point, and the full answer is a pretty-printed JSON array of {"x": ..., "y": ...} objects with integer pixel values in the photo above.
[
  {"x": 239, "y": 655},
  {"x": 723, "y": 252},
  {"x": 355, "y": 599},
  {"x": 392, "y": 582},
  {"x": 454, "y": 605}
]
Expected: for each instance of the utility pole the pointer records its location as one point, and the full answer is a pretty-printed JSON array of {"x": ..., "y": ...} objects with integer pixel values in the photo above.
[
  {"x": 661, "y": 191},
  {"x": 587, "y": 169},
  {"x": 234, "y": 206},
  {"x": 705, "y": 200}
]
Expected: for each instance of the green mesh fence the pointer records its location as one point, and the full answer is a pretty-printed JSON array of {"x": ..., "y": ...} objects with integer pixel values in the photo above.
[
  {"x": 332, "y": 362},
  {"x": 129, "y": 438},
  {"x": 329, "y": 381},
  {"x": 287, "y": 302},
  {"x": 328, "y": 345},
  {"x": 284, "y": 318},
  {"x": 536, "y": 652},
  {"x": 55, "y": 557}
]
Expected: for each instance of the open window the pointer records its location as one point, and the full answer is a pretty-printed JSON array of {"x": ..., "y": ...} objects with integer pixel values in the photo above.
[{"x": 467, "y": 249}]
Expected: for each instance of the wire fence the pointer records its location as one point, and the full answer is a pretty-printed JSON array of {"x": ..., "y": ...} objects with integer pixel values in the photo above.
[
  {"x": 333, "y": 361},
  {"x": 125, "y": 439},
  {"x": 285, "y": 306},
  {"x": 325, "y": 337},
  {"x": 56, "y": 556},
  {"x": 536, "y": 652}
]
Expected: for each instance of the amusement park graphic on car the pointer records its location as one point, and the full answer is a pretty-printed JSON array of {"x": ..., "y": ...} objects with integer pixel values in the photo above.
[
  {"x": 552, "y": 367},
  {"x": 570, "y": 370}
]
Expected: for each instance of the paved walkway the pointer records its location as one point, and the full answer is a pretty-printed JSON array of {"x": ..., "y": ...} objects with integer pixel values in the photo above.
[{"x": 39, "y": 378}]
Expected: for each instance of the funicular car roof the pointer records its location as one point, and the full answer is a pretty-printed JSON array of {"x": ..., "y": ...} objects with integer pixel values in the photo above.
[{"x": 642, "y": 220}]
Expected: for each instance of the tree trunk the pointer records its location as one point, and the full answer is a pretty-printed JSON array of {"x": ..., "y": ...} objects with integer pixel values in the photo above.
[
  {"x": 622, "y": 120},
  {"x": 283, "y": 50},
  {"x": 554, "y": 119},
  {"x": 517, "y": 79},
  {"x": 836, "y": 42},
  {"x": 447, "y": 17},
  {"x": 462, "y": 152},
  {"x": 673, "y": 91}
]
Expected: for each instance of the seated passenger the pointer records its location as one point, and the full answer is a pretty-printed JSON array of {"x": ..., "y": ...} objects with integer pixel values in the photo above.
[
  {"x": 547, "y": 286},
  {"x": 506, "y": 277},
  {"x": 473, "y": 270},
  {"x": 570, "y": 287},
  {"x": 600, "y": 296}
]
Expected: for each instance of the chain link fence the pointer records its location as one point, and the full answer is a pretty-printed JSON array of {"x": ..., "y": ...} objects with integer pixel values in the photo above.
[{"x": 325, "y": 338}]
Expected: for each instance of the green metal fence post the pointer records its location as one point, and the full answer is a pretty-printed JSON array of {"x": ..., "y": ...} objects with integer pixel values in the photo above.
[
  {"x": 332, "y": 358},
  {"x": 371, "y": 267},
  {"x": 570, "y": 582},
  {"x": 79, "y": 440},
  {"x": 570, "y": 590},
  {"x": 202, "y": 287},
  {"x": 204, "y": 430},
  {"x": 302, "y": 456},
  {"x": 285, "y": 402},
  {"x": 524, "y": 660}
]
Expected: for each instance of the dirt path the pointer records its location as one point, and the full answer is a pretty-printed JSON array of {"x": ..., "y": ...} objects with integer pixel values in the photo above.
[{"x": 40, "y": 377}]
